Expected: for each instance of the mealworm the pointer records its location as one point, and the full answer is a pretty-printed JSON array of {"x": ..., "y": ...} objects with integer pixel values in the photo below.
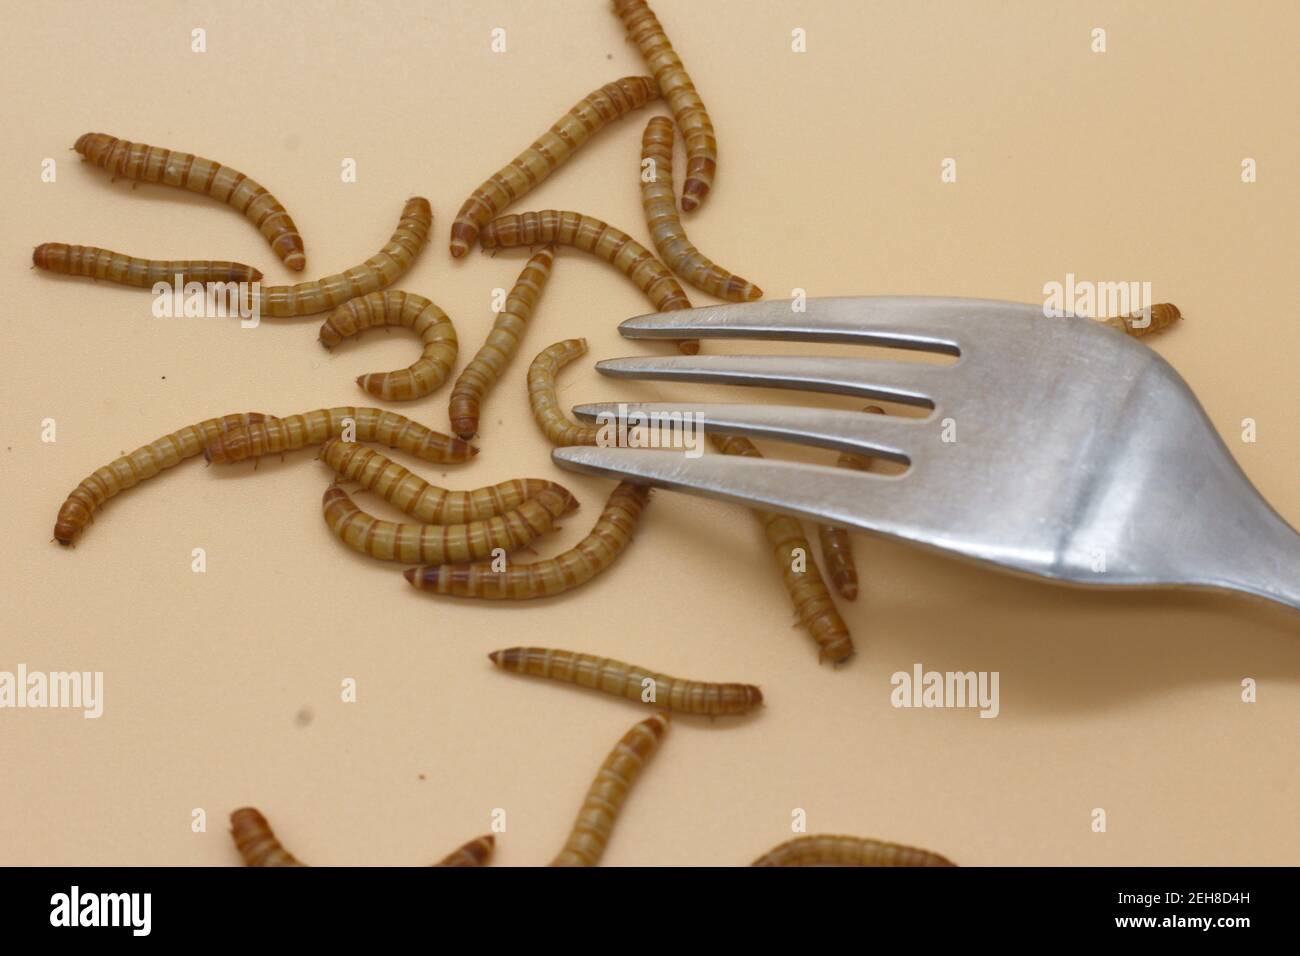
[
  {"x": 425, "y": 502},
  {"x": 544, "y": 402},
  {"x": 586, "y": 843},
  {"x": 382, "y": 269},
  {"x": 630, "y": 681},
  {"x": 520, "y": 582},
  {"x": 1163, "y": 315},
  {"x": 813, "y": 604},
  {"x": 404, "y": 310},
  {"x": 502, "y": 342},
  {"x": 256, "y": 841},
  {"x": 145, "y": 462},
  {"x": 312, "y": 428},
  {"x": 439, "y": 543},
  {"x": 129, "y": 270},
  {"x": 675, "y": 249},
  {"x": 837, "y": 548},
  {"x": 824, "y": 850},
  {"x": 258, "y": 845},
  {"x": 611, "y": 102},
  {"x": 474, "y": 853},
  {"x": 675, "y": 84},
  {"x": 154, "y": 164}
]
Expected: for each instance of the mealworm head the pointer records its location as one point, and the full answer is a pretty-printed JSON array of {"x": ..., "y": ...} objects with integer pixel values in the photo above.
[
  {"x": 66, "y": 529},
  {"x": 41, "y": 255},
  {"x": 463, "y": 235},
  {"x": 86, "y": 142}
]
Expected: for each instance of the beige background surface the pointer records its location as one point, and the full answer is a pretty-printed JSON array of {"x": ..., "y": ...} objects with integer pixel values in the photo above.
[{"x": 1114, "y": 167}]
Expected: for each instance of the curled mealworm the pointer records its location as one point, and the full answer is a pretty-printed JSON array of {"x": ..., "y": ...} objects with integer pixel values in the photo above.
[
  {"x": 145, "y": 462},
  {"x": 502, "y": 342},
  {"x": 813, "y": 604},
  {"x": 678, "y": 252},
  {"x": 590, "y": 834},
  {"x": 554, "y": 148},
  {"x": 826, "y": 850},
  {"x": 154, "y": 164},
  {"x": 312, "y": 428},
  {"x": 630, "y": 681},
  {"x": 258, "y": 846},
  {"x": 129, "y": 270},
  {"x": 520, "y": 582},
  {"x": 545, "y": 404},
  {"x": 429, "y": 503},
  {"x": 837, "y": 548},
  {"x": 382, "y": 269},
  {"x": 644, "y": 30},
  {"x": 1163, "y": 315},
  {"x": 440, "y": 543},
  {"x": 404, "y": 310}
]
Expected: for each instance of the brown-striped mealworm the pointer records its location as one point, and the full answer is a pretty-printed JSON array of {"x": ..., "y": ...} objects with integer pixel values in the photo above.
[
  {"x": 403, "y": 310},
  {"x": 154, "y": 164},
  {"x": 520, "y": 582},
  {"x": 1163, "y": 315},
  {"x": 675, "y": 249},
  {"x": 502, "y": 342},
  {"x": 425, "y": 502},
  {"x": 675, "y": 85},
  {"x": 145, "y": 462},
  {"x": 542, "y": 399},
  {"x": 813, "y": 604},
  {"x": 605, "y": 797},
  {"x": 313, "y": 428},
  {"x": 382, "y": 269},
  {"x": 258, "y": 845},
  {"x": 837, "y": 547},
  {"x": 440, "y": 543},
  {"x": 630, "y": 681},
  {"x": 554, "y": 148},
  {"x": 129, "y": 270},
  {"x": 828, "y": 850}
]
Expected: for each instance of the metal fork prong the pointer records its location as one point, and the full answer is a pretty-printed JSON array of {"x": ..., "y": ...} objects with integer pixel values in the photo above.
[
  {"x": 928, "y": 323},
  {"x": 907, "y": 382},
  {"x": 889, "y": 504},
  {"x": 882, "y": 436}
]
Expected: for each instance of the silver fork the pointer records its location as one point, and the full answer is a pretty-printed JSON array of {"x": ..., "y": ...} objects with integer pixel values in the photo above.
[{"x": 1080, "y": 455}]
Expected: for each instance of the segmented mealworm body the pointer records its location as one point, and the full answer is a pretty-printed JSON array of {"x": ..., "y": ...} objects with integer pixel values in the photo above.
[
  {"x": 403, "y": 310},
  {"x": 382, "y": 269},
  {"x": 826, "y": 850},
  {"x": 676, "y": 87},
  {"x": 590, "y": 834},
  {"x": 554, "y": 148},
  {"x": 312, "y": 428},
  {"x": 425, "y": 502},
  {"x": 520, "y": 582},
  {"x": 678, "y": 252},
  {"x": 502, "y": 342},
  {"x": 630, "y": 681},
  {"x": 130, "y": 270},
  {"x": 440, "y": 543},
  {"x": 837, "y": 548},
  {"x": 813, "y": 604},
  {"x": 473, "y": 853},
  {"x": 256, "y": 842},
  {"x": 154, "y": 164},
  {"x": 555, "y": 425},
  {"x": 145, "y": 462},
  {"x": 1163, "y": 315}
]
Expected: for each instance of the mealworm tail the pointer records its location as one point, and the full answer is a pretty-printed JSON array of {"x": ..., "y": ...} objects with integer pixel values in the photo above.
[
  {"x": 474, "y": 853},
  {"x": 256, "y": 842},
  {"x": 1163, "y": 315}
]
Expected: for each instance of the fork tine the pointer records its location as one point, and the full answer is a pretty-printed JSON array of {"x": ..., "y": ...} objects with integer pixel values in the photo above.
[
  {"x": 928, "y": 323},
  {"x": 884, "y": 436},
  {"x": 889, "y": 504},
  {"x": 887, "y": 381}
]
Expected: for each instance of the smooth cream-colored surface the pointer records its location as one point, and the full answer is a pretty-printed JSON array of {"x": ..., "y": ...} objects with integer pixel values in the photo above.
[{"x": 223, "y": 688}]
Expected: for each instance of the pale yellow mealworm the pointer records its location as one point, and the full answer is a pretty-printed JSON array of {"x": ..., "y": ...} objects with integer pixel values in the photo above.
[
  {"x": 545, "y": 405},
  {"x": 402, "y": 310},
  {"x": 1163, "y": 315},
  {"x": 129, "y": 270},
  {"x": 828, "y": 850}
]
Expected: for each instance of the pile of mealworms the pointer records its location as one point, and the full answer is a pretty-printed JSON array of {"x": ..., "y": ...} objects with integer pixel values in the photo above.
[{"x": 452, "y": 533}]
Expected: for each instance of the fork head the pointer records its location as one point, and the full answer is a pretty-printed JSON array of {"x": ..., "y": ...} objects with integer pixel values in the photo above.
[{"x": 1054, "y": 446}]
